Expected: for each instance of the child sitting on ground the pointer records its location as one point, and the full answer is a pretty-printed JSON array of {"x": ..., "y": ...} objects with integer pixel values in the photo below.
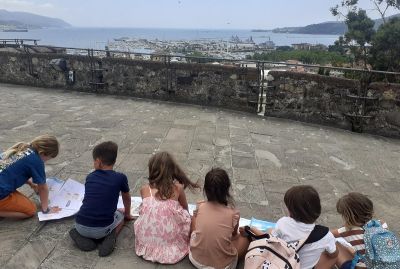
[
  {"x": 98, "y": 217},
  {"x": 304, "y": 208},
  {"x": 163, "y": 227},
  {"x": 215, "y": 241},
  {"x": 356, "y": 210},
  {"x": 22, "y": 164}
]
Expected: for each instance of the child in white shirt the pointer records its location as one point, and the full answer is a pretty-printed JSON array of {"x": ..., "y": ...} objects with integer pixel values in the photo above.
[{"x": 304, "y": 208}]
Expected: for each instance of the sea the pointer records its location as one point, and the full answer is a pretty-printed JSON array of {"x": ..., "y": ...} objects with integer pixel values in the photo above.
[{"x": 97, "y": 38}]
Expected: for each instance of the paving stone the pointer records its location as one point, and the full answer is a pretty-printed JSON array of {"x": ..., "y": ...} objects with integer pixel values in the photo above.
[
  {"x": 123, "y": 259},
  {"x": 135, "y": 162},
  {"x": 175, "y": 146},
  {"x": 146, "y": 148},
  {"x": 250, "y": 194},
  {"x": 243, "y": 162},
  {"x": 246, "y": 176}
]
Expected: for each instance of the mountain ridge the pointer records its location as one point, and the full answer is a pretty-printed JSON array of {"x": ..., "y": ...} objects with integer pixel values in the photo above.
[
  {"x": 324, "y": 28},
  {"x": 28, "y": 20}
]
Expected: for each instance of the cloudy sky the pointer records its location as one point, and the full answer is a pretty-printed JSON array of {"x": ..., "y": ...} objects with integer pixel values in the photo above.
[{"x": 218, "y": 14}]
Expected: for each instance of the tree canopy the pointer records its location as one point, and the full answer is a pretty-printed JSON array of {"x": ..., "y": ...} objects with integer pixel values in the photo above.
[
  {"x": 386, "y": 47},
  {"x": 384, "y": 53}
]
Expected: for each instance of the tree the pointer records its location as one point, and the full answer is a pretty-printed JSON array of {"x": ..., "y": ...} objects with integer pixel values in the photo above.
[
  {"x": 339, "y": 46},
  {"x": 359, "y": 35},
  {"x": 284, "y": 48},
  {"x": 386, "y": 47},
  {"x": 381, "y": 6}
]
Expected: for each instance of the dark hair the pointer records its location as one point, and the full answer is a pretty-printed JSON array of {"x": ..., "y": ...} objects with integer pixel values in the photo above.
[
  {"x": 303, "y": 203},
  {"x": 217, "y": 185},
  {"x": 106, "y": 152},
  {"x": 356, "y": 209},
  {"x": 163, "y": 170}
]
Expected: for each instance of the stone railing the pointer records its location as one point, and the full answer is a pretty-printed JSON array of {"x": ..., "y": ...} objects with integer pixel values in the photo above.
[
  {"x": 205, "y": 84},
  {"x": 306, "y": 97},
  {"x": 334, "y": 101}
]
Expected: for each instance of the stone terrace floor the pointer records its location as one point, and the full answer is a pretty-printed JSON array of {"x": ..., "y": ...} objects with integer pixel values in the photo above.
[{"x": 264, "y": 157}]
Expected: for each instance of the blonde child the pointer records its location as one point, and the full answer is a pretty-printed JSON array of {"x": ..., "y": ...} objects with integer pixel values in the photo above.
[
  {"x": 356, "y": 210},
  {"x": 163, "y": 227},
  {"x": 22, "y": 164},
  {"x": 215, "y": 242}
]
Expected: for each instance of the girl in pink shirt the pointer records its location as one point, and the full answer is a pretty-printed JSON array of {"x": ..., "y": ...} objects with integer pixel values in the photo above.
[{"x": 163, "y": 228}]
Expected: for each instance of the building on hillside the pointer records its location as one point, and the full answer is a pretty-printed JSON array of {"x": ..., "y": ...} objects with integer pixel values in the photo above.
[
  {"x": 269, "y": 45},
  {"x": 159, "y": 56},
  {"x": 308, "y": 46}
]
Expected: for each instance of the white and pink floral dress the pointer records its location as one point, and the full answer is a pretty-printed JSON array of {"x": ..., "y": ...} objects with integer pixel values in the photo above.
[{"x": 162, "y": 231}]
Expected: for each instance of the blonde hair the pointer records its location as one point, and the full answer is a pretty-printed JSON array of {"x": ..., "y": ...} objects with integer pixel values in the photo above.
[
  {"x": 46, "y": 145},
  {"x": 356, "y": 209}
]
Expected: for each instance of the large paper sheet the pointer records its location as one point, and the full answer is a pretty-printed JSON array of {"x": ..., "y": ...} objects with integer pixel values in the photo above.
[
  {"x": 262, "y": 225},
  {"x": 54, "y": 185},
  {"x": 67, "y": 195},
  {"x": 135, "y": 205}
]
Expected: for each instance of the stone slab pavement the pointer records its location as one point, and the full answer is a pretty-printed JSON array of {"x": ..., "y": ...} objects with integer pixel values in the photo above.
[{"x": 263, "y": 156}]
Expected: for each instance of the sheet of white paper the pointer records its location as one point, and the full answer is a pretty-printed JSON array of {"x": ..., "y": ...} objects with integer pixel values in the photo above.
[
  {"x": 67, "y": 195},
  {"x": 135, "y": 204},
  {"x": 70, "y": 196},
  {"x": 54, "y": 184},
  {"x": 62, "y": 214},
  {"x": 192, "y": 207},
  {"x": 244, "y": 222}
]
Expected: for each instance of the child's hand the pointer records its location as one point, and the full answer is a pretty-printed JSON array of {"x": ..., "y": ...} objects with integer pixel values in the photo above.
[
  {"x": 197, "y": 207},
  {"x": 35, "y": 188},
  {"x": 129, "y": 217},
  {"x": 195, "y": 212},
  {"x": 122, "y": 210},
  {"x": 54, "y": 209}
]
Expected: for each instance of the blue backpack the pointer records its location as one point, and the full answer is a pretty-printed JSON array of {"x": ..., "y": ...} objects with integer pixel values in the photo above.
[{"x": 382, "y": 248}]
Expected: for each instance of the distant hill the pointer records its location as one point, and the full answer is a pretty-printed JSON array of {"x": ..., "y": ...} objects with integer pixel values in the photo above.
[
  {"x": 379, "y": 22},
  {"x": 29, "y": 20},
  {"x": 325, "y": 28}
]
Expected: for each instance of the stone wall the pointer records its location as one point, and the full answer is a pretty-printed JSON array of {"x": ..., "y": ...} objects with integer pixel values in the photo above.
[
  {"x": 299, "y": 96},
  {"x": 334, "y": 101},
  {"x": 205, "y": 84}
]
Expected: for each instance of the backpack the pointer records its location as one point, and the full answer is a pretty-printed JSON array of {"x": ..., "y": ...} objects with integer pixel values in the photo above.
[
  {"x": 382, "y": 247},
  {"x": 268, "y": 252}
]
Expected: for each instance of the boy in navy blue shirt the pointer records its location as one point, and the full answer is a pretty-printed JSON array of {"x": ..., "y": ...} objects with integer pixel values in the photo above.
[{"x": 98, "y": 217}]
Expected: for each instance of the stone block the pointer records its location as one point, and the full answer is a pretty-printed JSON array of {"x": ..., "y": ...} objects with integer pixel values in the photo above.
[{"x": 243, "y": 162}]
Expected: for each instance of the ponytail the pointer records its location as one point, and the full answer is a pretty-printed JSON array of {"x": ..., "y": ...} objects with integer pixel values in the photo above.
[
  {"x": 17, "y": 148},
  {"x": 44, "y": 145}
]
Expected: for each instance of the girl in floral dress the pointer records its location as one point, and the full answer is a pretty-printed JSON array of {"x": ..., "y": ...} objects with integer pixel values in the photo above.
[{"x": 162, "y": 230}]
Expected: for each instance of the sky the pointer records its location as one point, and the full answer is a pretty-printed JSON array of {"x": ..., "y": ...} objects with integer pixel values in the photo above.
[{"x": 195, "y": 14}]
